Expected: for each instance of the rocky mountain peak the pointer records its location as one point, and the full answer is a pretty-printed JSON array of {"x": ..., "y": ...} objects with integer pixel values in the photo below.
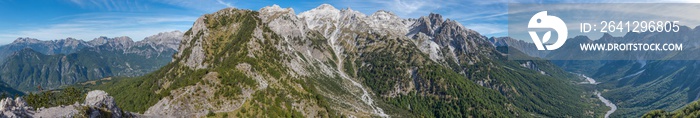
[
  {"x": 325, "y": 11},
  {"x": 325, "y": 7},
  {"x": 269, "y": 13},
  {"x": 426, "y": 25},
  {"x": 163, "y": 36},
  {"x": 501, "y": 41},
  {"x": 192, "y": 47},
  {"x": 580, "y": 39},
  {"x": 606, "y": 36},
  {"x": 71, "y": 42},
  {"x": 282, "y": 21},
  {"x": 122, "y": 41},
  {"x": 384, "y": 15},
  {"x": 26, "y": 40},
  {"x": 352, "y": 13},
  {"x": 98, "y": 41},
  {"x": 71, "y": 39},
  {"x": 168, "y": 39},
  {"x": 696, "y": 29},
  {"x": 103, "y": 39},
  {"x": 434, "y": 24},
  {"x": 435, "y": 19},
  {"x": 276, "y": 8}
]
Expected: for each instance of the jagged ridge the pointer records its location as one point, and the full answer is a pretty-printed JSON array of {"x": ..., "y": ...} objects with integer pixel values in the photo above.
[{"x": 326, "y": 62}]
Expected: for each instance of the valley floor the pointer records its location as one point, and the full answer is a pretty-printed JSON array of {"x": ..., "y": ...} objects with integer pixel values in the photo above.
[{"x": 607, "y": 102}]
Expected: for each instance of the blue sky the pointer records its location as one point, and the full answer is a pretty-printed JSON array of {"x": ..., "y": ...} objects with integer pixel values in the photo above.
[{"x": 88, "y": 19}]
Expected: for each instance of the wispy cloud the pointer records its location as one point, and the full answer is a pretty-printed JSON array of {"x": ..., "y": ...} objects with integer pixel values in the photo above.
[
  {"x": 411, "y": 7},
  {"x": 92, "y": 25},
  {"x": 111, "y": 5},
  {"x": 141, "y": 5},
  {"x": 224, "y": 3},
  {"x": 489, "y": 28},
  {"x": 199, "y": 5}
]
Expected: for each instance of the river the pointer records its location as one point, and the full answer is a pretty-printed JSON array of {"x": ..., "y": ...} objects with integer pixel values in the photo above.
[{"x": 607, "y": 102}]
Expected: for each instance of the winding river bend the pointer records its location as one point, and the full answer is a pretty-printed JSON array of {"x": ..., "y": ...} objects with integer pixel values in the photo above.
[{"x": 607, "y": 102}]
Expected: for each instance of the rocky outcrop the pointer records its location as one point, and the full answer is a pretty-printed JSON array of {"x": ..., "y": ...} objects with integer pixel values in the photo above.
[
  {"x": 16, "y": 108},
  {"x": 97, "y": 104},
  {"x": 100, "y": 100},
  {"x": 455, "y": 41},
  {"x": 283, "y": 21},
  {"x": 192, "y": 40}
]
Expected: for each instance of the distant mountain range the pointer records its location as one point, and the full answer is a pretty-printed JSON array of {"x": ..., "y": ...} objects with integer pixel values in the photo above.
[{"x": 28, "y": 64}]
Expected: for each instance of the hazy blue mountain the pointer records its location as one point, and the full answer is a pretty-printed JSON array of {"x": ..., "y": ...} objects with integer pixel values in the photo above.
[
  {"x": 62, "y": 46},
  {"x": 27, "y": 69}
]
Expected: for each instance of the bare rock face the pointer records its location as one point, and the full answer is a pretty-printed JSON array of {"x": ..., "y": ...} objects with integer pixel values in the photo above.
[
  {"x": 283, "y": 21},
  {"x": 100, "y": 100},
  {"x": 170, "y": 40},
  {"x": 97, "y": 104},
  {"x": 16, "y": 108},
  {"x": 196, "y": 57},
  {"x": 60, "y": 111}
]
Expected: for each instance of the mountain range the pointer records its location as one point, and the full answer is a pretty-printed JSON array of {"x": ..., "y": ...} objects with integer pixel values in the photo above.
[
  {"x": 30, "y": 64},
  {"x": 329, "y": 62}
]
